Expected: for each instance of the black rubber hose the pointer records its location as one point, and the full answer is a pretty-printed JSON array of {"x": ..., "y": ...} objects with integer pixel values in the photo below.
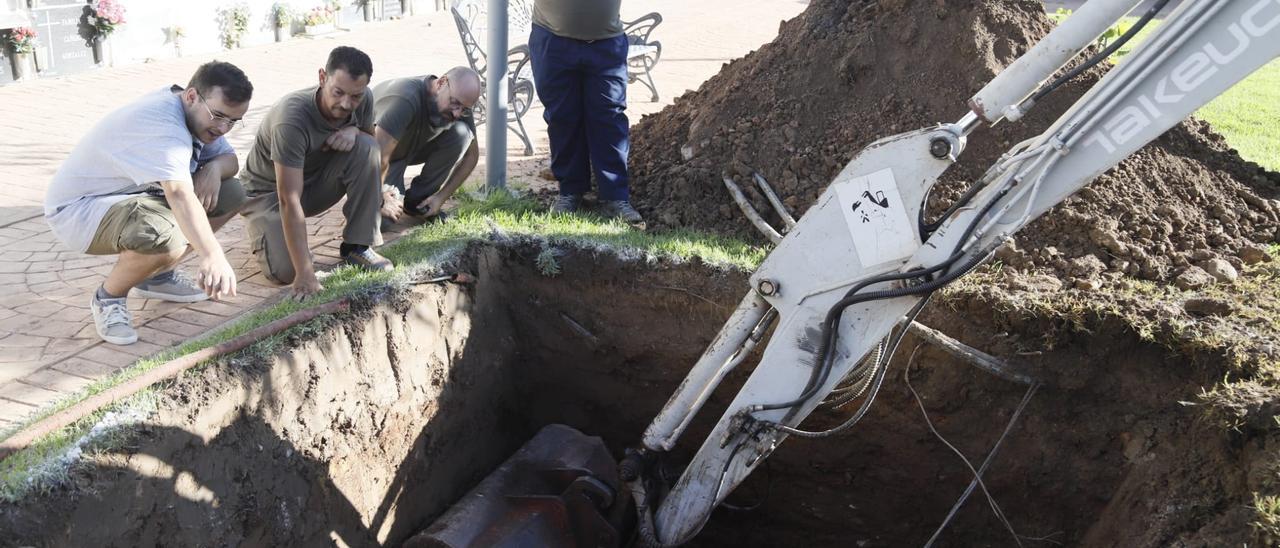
[{"x": 1098, "y": 57}]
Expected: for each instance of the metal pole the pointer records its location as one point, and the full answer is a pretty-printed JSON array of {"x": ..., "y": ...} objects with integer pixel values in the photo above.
[{"x": 496, "y": 108}]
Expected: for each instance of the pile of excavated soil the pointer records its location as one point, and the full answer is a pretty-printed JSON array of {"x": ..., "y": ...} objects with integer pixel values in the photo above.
[{"x": 847, "y": 72}]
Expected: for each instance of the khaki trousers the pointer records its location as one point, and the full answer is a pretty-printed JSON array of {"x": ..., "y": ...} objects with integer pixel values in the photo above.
[{"x": 353, "y": 174}]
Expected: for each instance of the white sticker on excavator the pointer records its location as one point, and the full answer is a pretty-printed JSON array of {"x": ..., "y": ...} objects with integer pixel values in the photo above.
[{"x": 877, "y": 218}]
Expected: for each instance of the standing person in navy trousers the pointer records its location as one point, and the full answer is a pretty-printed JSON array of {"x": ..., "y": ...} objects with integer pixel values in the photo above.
[{"x": 579, "y": 56}]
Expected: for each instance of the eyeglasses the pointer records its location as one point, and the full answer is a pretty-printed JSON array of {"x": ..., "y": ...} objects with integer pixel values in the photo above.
[
  {"x": 217, "y": 118},
  {"x": 454, "y": 103}
]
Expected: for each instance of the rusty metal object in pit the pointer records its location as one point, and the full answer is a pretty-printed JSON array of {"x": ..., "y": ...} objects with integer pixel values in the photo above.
[{"x": 560, "y": 489}]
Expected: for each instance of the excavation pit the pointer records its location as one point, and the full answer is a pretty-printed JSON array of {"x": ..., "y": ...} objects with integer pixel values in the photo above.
[{"x": 369, "y": 426}]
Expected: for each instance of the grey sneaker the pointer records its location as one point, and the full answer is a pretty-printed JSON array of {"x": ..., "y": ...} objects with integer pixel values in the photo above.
[
  {"x": 113, "y": 320},
  {"x": 173, "y": 286},
  {"x": 368, "y": 259},
  {"x": 567, "y": 203},
  {"x": 621, "y": 209}
]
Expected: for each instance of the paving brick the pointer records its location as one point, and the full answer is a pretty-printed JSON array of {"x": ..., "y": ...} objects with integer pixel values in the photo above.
[
  {"x": 85, "y": 368},
  {"x": 22, "y": 340},
  {"x": 219, "y": 308},
  {"x": 55, "y": 380},
  {"x": 140, "y": 348},
  {"x": 14, "y": 411},
  {"x": 50, "y": 327},
  {"x": 197, "y": 318},
  {"x": 14, "y": 256},
  {"x": 63, "y": 347},
  {"x": 158, "y": 337},
  {"x": 20, "y": 354},
  {"x": 176, "y": 327},
  {"x": 26, "y": 245},
  {"x": 108, "y": 354},
  {"x": 40, "y": 277},
  {"x": 44, "y": 267},
  {"x": 259, "y": 288},
  {"x": 18, "y": 369},
  {"x": 43, "y": 309},
  {"x": 29, "y": 394}
]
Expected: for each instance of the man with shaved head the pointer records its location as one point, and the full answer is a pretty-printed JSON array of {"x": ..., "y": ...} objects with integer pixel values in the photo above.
[{"x": 426, "y": 120}]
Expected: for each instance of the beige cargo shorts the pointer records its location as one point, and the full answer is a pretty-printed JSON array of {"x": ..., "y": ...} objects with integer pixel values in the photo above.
[{"x": 145, "y": 223}]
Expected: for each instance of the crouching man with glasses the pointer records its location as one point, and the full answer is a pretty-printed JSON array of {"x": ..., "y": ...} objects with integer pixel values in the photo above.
[
  {"x": 149, "y": 181},
  {"x": 426, "y": 120}
]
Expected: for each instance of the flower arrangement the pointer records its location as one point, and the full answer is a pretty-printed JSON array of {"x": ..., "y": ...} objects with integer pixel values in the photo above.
[
  {"x": 318, "y": 15},
  {"x": 233, "y": 23},
  {"x": 23, "y": 39},
  {"x": 105, "y": 17}
]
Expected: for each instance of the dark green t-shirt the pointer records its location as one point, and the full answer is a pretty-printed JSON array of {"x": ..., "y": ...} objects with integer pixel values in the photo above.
[
  {"x": 293, "y": 133},
  {"x": 406, "y": 109},
  {"x": 579, "y": 19}
]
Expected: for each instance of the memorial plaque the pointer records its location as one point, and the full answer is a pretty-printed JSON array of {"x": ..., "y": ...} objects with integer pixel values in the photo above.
[
  {"x": 390, "y": 9},
  {"x": 63, "y": 30}
]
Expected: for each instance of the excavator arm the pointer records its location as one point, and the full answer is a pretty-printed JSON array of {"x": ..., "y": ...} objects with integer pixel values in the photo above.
[
  {"x": 841, "y": 287},
  {"x": 848, "y": 278}
]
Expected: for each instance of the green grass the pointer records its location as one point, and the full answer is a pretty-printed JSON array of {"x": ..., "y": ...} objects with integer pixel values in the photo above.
[
  {"x": 1246, "y": 114},
  {"x": 425, "y": 250},
  {"x": 1266, "y": 520}
]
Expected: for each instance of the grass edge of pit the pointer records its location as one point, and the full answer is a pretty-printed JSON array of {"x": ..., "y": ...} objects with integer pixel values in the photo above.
[{"x": 501, "y": 217}]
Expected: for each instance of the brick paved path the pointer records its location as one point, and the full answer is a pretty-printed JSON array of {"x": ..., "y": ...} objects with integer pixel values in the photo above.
[{"x": 48, "y": 347}]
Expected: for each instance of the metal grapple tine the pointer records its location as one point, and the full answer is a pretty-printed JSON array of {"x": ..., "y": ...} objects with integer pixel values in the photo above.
[
  {"x": 750, "y": 212},
  {"x": 772, "y": 196}
]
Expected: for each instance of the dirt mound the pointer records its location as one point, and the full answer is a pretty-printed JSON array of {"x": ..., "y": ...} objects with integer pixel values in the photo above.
[{"x": 847, "y": 72}]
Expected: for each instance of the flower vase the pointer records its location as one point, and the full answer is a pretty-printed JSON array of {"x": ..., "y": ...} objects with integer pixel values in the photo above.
[
  {"x": 98, "y": 45},
  {"x": 23, "y": 68},
  {"x": 368, "y": 11},
  {"x": 281, "y": 34}
]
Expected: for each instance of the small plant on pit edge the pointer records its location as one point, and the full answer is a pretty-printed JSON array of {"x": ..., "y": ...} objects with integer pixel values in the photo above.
[
  {"x": 22, "y": 39},
  {"x": 233, "y": 23},
  {"x": 547, "y": 263},
  {"x": 281, "y": 14}
]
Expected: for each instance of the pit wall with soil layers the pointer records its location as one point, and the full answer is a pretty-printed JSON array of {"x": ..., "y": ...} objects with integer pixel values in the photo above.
[{"x": 368, "y": 424}]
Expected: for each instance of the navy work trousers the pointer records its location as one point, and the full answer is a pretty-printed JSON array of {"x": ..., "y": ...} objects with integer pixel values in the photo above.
[{"x": 583, "y": 86}]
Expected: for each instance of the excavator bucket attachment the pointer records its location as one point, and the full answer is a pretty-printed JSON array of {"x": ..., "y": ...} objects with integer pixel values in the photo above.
[{"x": 560, "y": 489}]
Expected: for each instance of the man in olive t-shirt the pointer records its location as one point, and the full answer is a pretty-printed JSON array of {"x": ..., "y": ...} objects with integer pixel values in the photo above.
[
  {"x": 426, "y": 120},
  {"x": 313, "y": 148}
]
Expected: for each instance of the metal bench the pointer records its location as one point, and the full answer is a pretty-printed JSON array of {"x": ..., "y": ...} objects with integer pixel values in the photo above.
[
  {"x": 642, "y": 52},
  {"x": 472, "y": 20}
]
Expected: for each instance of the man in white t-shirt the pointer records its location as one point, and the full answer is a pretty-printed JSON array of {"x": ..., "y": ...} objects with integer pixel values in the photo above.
[{"x": 148, "y": 180}]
